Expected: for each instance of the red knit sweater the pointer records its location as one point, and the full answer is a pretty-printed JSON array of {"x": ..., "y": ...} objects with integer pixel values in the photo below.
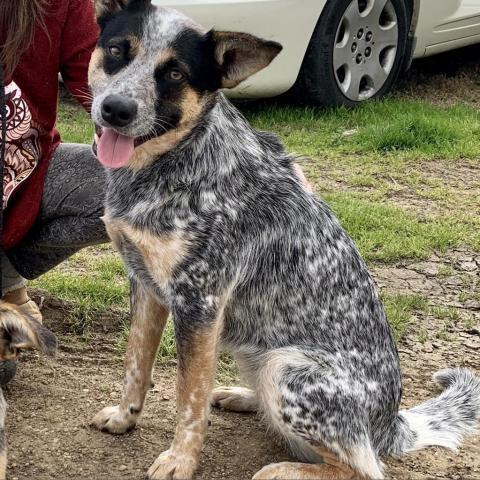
[{"x": 32, "y": 95}]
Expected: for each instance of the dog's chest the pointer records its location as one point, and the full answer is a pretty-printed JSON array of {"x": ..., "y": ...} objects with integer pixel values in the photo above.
[{"x": 146, "y": 254}]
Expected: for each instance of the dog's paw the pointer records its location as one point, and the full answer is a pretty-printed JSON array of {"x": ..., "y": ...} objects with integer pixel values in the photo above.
[
  {"x": 235, "y": 399},
  {"x": 276, "y": 471},
  {"x": 171, "y": 465},
  {"x": 114, "y": 420}
]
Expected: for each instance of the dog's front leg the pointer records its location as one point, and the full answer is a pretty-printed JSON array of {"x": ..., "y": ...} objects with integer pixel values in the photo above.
[
  {"x": 148, "y": 322},
  {"x": 197, "y": 330}
]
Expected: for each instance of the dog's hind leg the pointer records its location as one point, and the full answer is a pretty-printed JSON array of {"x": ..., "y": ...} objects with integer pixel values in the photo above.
[
  {"x": 148, "y": 321},
  {"x": 235, "y": 399},
  {"x": 312, "y": 403}
]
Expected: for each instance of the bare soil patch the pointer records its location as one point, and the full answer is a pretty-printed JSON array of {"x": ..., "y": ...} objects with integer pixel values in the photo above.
[{"x": 451, "y": 78}]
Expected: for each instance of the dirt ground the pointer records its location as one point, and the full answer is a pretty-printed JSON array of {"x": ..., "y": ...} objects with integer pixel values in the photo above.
[{"x": 52, "y": 401}]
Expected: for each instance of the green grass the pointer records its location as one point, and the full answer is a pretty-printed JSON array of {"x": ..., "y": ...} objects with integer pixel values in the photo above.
[
  {"x": 387, "y": 233},
  {"x": 399, "y": 310},
  {"x": 91, "y": 283},
  {"x": 388, "y": 127},
  {"x": 74, "y": 124}
]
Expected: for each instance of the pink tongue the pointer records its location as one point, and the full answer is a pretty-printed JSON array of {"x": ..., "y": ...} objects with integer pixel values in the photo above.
[{"x": 114, "y": 150}]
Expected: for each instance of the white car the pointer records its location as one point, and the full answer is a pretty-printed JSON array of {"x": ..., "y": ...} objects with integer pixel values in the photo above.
[{"x": 339, "y": 52}]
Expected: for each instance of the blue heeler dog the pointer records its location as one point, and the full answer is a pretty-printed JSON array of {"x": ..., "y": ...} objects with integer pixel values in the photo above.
[{"x": 215, "y": 227}]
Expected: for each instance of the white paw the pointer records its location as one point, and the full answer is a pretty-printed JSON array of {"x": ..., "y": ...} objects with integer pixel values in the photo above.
[
  {"x": 171, "y": 465},
  {"x": 235, "y": 399},
  {"x": 276, "y": 471},
  {"x": 114, "y": 420}
]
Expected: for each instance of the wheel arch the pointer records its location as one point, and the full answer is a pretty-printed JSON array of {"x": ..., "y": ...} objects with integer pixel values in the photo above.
[{"x": 414, "y": 9}]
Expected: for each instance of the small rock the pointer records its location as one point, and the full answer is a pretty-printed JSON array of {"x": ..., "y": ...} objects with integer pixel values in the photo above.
[
  {"x": 165, "y": 398},
  {"x": 473, "y": 343},
  {"x": 428, "y": 347},
  {"x": 349, "y": 133},
  {"x": 122, "y": 468},
  {"x": 468, "y": 266},
  {"x": 474, "y": 330},
  {"x": 472, "y": 305},
  {"x": 428, "y": 268},
  {"x": 437, "y": 344}
]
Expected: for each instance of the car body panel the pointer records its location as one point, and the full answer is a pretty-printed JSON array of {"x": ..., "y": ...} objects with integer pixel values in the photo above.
[
  {"x": 446, "y": 24},
  {"x": 289, "y": 22}
]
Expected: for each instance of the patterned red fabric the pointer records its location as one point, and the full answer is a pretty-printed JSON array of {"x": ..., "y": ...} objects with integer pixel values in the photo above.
[{"x": 32, "y": 93}]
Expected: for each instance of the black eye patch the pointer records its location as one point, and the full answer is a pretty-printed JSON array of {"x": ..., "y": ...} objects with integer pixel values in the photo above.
[
  {"x": 117, "y": 55},
  {"x": 123, "y": 29}
]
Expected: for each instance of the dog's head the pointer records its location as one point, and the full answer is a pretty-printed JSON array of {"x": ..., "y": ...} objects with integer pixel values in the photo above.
[
  {"x": 154, "y": 71},
  {"x": 19, "y": 332}
]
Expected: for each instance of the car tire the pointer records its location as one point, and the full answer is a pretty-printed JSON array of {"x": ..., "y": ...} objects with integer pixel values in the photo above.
[{"x": 346, "y": 32}]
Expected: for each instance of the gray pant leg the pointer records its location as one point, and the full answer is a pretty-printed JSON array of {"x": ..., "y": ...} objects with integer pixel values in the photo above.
[
  {"x": 11, "y": 279},
  {"x": 69, "y": 219}
]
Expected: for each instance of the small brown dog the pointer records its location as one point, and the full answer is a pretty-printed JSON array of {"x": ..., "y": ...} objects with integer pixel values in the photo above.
[{"x": 18, "y": 332}]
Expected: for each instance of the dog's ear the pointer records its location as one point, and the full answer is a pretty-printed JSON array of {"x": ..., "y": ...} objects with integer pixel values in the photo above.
[
  {"x": 240, "y": 55},
  {"x": 20, "y": 332},
  {"x": 106, "y": 8}
]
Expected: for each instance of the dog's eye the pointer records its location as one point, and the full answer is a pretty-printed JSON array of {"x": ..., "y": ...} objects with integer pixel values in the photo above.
[
  {"x": 175, "y": 75},
  {"x": 115, "y": 51}
]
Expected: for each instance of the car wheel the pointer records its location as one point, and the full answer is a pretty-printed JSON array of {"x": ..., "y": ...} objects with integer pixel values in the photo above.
[{"x": 356, "y": 53}]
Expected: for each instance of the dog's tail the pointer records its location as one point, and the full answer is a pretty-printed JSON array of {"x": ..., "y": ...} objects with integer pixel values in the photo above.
[{"x": 442, "y": 421}]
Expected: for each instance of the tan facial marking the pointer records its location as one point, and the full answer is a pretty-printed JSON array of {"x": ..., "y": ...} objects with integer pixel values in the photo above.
[
  {"x": 146, "y": 153},
  {"x": 95, "y": 70},
  {"x": 134, "y": 43},
  {"x": 192, "y": 106},
  {"x": 164, "y": 56}
]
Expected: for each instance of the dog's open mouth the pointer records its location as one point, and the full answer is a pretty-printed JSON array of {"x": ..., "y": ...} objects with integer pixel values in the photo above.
[{"x": 114, "y": 150}]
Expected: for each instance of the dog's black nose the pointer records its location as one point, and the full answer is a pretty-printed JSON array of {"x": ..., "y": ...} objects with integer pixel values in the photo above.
[{"x": 119, "y": 111}]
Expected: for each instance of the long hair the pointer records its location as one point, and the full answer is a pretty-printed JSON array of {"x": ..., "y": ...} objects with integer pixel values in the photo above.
[{"x": 18, "y": 20}]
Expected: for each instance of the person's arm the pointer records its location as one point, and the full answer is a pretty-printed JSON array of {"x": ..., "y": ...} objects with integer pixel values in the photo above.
[{"x": 78, "y": 41}]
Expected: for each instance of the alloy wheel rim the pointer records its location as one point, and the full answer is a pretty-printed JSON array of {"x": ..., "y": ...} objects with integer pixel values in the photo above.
[{"x": 365, "y": 48}]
